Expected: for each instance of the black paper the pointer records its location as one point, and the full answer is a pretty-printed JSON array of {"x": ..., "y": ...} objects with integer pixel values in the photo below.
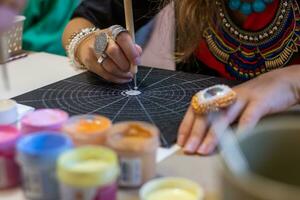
[{"x": 165, "y": 96}]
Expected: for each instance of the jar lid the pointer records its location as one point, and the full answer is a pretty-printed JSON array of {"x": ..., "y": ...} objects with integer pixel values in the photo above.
[
  {"x": 44, "y": 118},
  {"x": 87, "y": 125},
  {"x": 88, "y": 166},
  {"x": 133, "y": 136},
  {"x": 42, "y": 146},
  {"x": 171, "y": 188},
  {"x": 8, "y": 137},
  {"x": 8, "y": 112}
]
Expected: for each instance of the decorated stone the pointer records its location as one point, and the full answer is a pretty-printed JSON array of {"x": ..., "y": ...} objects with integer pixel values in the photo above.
[{"x": 213, "y": 99}]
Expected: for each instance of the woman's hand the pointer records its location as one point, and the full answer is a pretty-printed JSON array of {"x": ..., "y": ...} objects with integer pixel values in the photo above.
[
  {"x": 8, "y": 10},
  {"x": 13, "y": 4},
  {"x": 269, "y": 93},
  {"x": 121, "y": 54}
]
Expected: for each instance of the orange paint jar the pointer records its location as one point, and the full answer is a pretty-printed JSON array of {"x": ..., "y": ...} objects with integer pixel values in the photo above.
[
  {"x": 87, "y": 129},
  {"x": 136, "y": 144}
]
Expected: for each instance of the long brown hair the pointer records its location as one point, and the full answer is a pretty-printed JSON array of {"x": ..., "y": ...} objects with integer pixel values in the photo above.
[{"x": 192, "y": 17}]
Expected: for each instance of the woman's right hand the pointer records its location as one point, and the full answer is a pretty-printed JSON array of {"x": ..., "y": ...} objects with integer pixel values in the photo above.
[
  {"x": 16, "y": 5},
  {"x": 120, "y": 55},
  {"x": 8, "y": 10}
]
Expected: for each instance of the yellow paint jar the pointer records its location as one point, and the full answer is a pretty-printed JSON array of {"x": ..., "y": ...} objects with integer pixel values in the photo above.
[
  {"x": 87, "y": 129},
  {"x": 171, "y": 188},
  {"x": 87, "y": 173},
  {"x": 136, "y": 144}
]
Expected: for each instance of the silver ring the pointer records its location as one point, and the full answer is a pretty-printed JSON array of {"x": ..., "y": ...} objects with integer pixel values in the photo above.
[
  {"x": 116, "y": 30},
  {"x": 101, "y": 43},
  {"x": 101, "y": 58}
]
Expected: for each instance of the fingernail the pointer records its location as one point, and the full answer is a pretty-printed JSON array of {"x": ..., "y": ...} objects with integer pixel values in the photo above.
[
  {"x": 137, "y": 60},
  {"x": 203, "y": 149},
  {"x": 191, "y": 146},
  {"x": 180, "y": 140}
]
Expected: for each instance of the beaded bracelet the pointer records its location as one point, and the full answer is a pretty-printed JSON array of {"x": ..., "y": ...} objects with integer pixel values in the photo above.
[{"x": 75, "y": 40}]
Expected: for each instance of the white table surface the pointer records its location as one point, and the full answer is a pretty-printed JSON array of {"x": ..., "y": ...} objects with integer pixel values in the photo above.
[
  {"x": 35, "y": 71},
  {"x": 41, "y": 69}
]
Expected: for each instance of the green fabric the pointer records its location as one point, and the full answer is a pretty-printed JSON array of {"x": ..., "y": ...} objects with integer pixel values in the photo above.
[{"x": 45, "y": 23}]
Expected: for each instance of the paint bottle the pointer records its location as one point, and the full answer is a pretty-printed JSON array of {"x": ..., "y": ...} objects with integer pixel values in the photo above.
[
  {"x": 88, "y": 173},
  {"x": 8, "y": 112},
  {"x": 43, "y": 120},
  {"x": 87, "y": 129},
  {"x": 37, "y": 155},
  {"x": 9, "y": 170},
  {"x": 136, "y": 144},
  {"x": 171, "y": 188}
]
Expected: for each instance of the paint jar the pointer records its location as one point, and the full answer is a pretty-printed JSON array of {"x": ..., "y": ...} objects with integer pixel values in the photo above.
[
  {"x": 9, "y": 170},
  {"x": 37, "y": 155},
  {"x": 43, "y": 120},
  {"x": 136, "y": 144},
  {"x": 171, "y": 188},
  {"x": 8, "y": 112},
  {"x": 87, "y": 129},
  {"x": 88, "y": 173}
]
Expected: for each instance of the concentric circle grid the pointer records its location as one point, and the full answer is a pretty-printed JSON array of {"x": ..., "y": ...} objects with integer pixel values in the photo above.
[
  {"x": 163, "y": 101},
  {"x": 77, "y": 98}
]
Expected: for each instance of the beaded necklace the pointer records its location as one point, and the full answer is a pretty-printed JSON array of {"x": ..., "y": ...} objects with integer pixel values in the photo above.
[{"x": 248, "y": 54}]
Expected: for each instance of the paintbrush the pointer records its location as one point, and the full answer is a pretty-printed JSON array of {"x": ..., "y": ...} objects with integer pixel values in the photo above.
[
  {"x": 230, "y": 149},
  {"x": 130, "y": 27}
]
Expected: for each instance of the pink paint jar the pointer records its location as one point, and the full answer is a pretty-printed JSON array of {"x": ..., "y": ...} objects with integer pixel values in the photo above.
[
  {"x": 9, "y": 170},
  {"x": 43, "y": 120}
]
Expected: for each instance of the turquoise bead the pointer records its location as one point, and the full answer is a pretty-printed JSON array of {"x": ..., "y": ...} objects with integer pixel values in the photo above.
[
  {"x": 259, "y": 6},
  {"x": 246, "y": 8},
  {"x": 234, "y": 4}
]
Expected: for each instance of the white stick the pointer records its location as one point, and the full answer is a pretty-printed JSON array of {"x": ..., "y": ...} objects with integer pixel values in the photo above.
[
  {"x": 130, "y": 27},
  {"x": 229, "y": 146}
]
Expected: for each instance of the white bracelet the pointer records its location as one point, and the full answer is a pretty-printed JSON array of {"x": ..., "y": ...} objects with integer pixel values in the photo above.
[{"x": 74, "y": 43}]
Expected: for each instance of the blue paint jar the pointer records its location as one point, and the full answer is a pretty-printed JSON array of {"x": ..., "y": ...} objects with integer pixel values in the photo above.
[{"x": 37, "y": 155}]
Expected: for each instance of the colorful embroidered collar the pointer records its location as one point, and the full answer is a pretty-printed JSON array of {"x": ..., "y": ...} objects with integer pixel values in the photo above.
[{"x": 247, "y": 54}]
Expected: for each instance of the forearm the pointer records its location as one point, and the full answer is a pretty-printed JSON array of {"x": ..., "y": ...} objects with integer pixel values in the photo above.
[{"x": 74, "y": 26}]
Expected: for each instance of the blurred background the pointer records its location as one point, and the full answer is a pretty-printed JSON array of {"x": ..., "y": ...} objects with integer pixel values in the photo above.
[{"x": 45, "y": 23}]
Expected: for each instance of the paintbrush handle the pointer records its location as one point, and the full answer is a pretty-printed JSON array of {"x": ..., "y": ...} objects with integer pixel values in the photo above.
[
  {"x": 229, "y": 146},
  {"x": 130, "y": 26}
]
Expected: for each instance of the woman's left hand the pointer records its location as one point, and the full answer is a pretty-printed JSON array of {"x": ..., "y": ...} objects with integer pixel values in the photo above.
[{"x": 269, "y": 93}]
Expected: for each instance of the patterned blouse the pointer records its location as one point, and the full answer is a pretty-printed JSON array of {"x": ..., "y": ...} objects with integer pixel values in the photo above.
[{"x": 266, "y": 41}]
